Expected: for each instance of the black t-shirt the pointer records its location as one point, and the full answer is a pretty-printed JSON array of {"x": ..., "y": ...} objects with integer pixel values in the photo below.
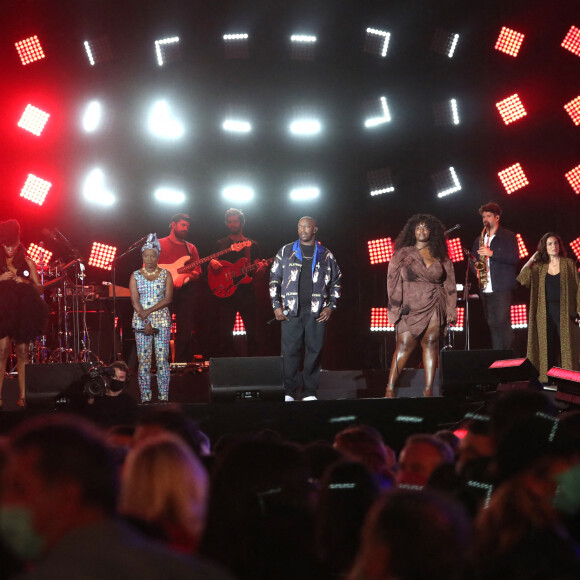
[{"x": 305, "y": 287}]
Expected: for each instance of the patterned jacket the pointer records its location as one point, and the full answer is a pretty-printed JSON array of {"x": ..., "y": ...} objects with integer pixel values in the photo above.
[{"x": 285, "y": 279}]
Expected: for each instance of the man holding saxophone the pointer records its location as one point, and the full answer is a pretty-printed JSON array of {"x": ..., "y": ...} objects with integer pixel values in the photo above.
[{"x": 498, "y": 253}]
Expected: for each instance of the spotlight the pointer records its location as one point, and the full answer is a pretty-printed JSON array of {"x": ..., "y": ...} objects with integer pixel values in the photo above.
[
  {"x": 236, "y": 45},
  {"x": 92, "y": 117},
  {"x": 519, "y": 316},
  {"x": 167, "y": 50},
  {"x": 33, "y": 120},
  {"x": 446, "y": 182},
  {"x": 94, "y": 189},
  {"x": 238, "y": 193},
  {"x": 380, "y": 321},
  {"x": 39, "y": 255},
  {"x": 302, "y": 46},
  {"x": 304, "y": 193},
  {"x": 573, "y": 109},
  {"x": 98, "y": 50},
  {"x": 102, "y": 255},
  {"x": 573, "y": 177},
  {"x": 35, "y": 189},
  {"x": 29, "y": 50},
  {"x": 162, "y": 122},
  {"x": 446, "y": 113},
  {"x": 522, "y": 247},
  {"x": 445, "y": 43},
  {"x": 377, "y": 42},
  {"x": 455, "y": 250},
  {"x": 571, "y": 41},
  {"x": 381, "y": 250},
  {"x": 305, "y": 127},
  {"x": 511, "y": 109},
  {"x": 513, "y": 178},
  {"x": 509, "y": 41},
  {"x": 239, "y": 328},
  {"x": 169, "y": 195},
  {"x": 237, "y": 126},
  {"x": 380, "y": 181},
  {"x": 384, "y": 115}
]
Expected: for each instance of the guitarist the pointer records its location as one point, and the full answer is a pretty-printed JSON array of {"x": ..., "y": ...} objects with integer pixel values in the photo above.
[
  {"x": 243, "y": 299},
  {"x": 174, "y": 247}
]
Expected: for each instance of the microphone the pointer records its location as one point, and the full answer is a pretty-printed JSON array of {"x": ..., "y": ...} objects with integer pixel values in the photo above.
[
  {"x": 284, "y": 312},
  {"x": 454, "y": 228},
  {"x": 138, "y": 243}
]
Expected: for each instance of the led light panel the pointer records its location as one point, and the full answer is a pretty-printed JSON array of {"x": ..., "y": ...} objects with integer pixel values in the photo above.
[
  {"x": 377, "y": 42},
  {"x": 304, "y": 193},
  {"x": 236, "y": 45},
  {"x": 460, "y": 323},
  {"x": 573, "y": 177},
  {"x": 163, "y": 123},
  {"x": 455, "y": 249},
  {"x": 519, "y": 316},
  {"x": 446, "y": 113},
  {"x": 94, "y": 189},
  {"x": 302, "y": 46},
  {"x": 238, "y": 193},
  {"x": 381, "y": 250},
  {"x": 92, "y": 117},
  {"x": 167, "y": 50},
  {"x": 39, "y": 255},
  {"x": 509, "y": 41},
  {"x": 444, "y": 42},
  {"x": 511, "y": 109},
  {"x": 571, "y": 41},
  {"x": 522, "y": 247},
  {"x": 305, "y": 127},
  {"x": 513, "y": 178},
  {"x": 169, "y": 195},
  {"x": 35, "y": 189},
  {"x": 102, "y": 255},
  {"x": 239, "y": 328},
  {"x": 573, "y": 109},
  {"x": 33, "y": 120},
  {"x": 380, "y": 181},
  {"x": 379, "y": 321},
  {"x": 446, "y": 182},
  {"x": 29, "y": 50},
  {"x": 381, "y": 116},
  {"x": 98, "y": 50}
]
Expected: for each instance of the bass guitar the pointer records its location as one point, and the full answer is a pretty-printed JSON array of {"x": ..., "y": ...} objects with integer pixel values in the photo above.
[
  {"x": 225, "y": 283},
  {"x": 185, "y": 265}
]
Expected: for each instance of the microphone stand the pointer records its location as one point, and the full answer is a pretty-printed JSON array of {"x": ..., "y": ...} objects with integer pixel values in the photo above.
[{"x": 468, "y": 256}]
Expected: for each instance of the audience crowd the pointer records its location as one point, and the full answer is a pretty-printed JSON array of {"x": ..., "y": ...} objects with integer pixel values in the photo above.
[{"x": 496, "y": 497}]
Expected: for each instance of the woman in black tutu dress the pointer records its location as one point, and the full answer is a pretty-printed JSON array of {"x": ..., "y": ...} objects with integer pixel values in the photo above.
[{"x": 23, "y": 313}]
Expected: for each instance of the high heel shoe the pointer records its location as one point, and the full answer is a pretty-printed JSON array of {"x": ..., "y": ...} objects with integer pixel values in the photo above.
[
  {"x": 21, "y": 402},
  {"x": 390, "y": 392}
]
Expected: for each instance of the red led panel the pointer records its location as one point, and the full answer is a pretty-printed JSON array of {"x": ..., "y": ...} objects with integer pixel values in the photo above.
[
  {"x": 35, "y": 189},
  {"x": 519, "y": 316},
  {"x": 102, "y": 255},
  {"x": 573, "y": 177},
  {"x": 566, "y": 374},
  {"x": 380, "y": 251},
  {"x": 455, "y": 249},
  {"x": 29, "y": 50},
  {"x": 513, "y": 178},
  {"x": 507, "y": 363},
  {"x": 571, "y": 41},
  {"x": 33, "y": 120},
  {"x": 173, "y": 324},
  {"x": 379, "y": 320},
  {"x": 458, "y": 326},
  {"x": 239, "y": 328},
  {"x": 575, "y": 245},
  {"x": 573, "y": 109},
  {"x": 509, "y": 41},
  {"x": 522, "y": 247},
  {"x": 39, "y": 255},
  {"x": 511, "y": 109}
]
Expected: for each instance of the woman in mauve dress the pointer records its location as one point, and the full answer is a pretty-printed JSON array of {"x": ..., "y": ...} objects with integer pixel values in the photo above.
[{"x": 421, "y": 295}]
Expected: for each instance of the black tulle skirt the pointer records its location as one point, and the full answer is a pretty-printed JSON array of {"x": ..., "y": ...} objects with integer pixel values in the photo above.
[{"x": 23, "y": 313}]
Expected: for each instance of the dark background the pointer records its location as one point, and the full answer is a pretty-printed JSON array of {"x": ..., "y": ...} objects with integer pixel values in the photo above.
[{"x": 339, "y": 82}]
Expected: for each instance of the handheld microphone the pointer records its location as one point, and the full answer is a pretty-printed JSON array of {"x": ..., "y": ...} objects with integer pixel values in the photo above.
[
  {"x": 284, "y": 312},
  {"x": 454, "y": 228}
]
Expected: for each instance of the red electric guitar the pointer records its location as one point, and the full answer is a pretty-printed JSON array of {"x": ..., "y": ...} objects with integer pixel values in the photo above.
[
  {"x": 184, "y": 264},
  {"x": 225, "y": 283}
]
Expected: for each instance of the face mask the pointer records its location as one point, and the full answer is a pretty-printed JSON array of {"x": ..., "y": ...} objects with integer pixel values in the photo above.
[
  {"x": 116, "y": 385},
  {"x": 18, "y": 532},
  {"x": 567, "y": 498}
]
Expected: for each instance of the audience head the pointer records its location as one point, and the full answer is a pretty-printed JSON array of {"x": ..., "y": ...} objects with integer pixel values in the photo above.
[{"x": 476, "y": 444}]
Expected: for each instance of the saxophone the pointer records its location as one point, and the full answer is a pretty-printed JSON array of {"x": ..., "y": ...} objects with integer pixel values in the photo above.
[{"x": 481, "y": 266}]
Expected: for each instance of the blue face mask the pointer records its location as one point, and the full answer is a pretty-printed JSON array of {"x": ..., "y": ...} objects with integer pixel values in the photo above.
[
  {"x": 567, "y": 498},
  {"x": 17, "y": 530}
]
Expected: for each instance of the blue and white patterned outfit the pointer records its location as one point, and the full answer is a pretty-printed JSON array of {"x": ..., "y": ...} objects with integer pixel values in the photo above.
[{"x": 150, "y": 293}]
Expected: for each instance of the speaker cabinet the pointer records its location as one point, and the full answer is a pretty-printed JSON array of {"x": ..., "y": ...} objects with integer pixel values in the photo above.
[
  {"x": 44, "y": 383},
  {"x": 246, "y": 379}
]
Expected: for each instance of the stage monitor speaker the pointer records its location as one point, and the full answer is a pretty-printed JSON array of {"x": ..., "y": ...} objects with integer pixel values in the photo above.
[
  {"x": 516, "y": 374},
  {"x": 464, "y": 372},
  {"x": 567, "y": 383},
  {"x": 45, "y": 382},
  {"x": 246, "y": 379}
]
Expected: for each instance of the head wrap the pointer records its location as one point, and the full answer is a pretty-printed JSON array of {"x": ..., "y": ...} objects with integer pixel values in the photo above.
[
  {"x": 152, "y": 243},
  {"x": 9, "y": 232}
]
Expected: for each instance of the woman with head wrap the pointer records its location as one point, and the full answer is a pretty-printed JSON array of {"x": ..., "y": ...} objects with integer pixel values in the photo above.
[
  {"x": 23, "y": 313},
  {"x": 151, "y": 293}
]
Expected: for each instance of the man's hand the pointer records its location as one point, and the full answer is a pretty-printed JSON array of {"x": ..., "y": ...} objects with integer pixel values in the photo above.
[
  {"x": 324, "y": 315},
  {"x": 487, "y": 252},
  {"x": 215, "y": 266},
  {"x": 279, "y": 314}
]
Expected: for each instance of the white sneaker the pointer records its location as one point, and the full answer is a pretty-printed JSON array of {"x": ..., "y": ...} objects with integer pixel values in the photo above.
[
  {"x": 310, "y": 398},
  {"x": 288, "y": 398}
]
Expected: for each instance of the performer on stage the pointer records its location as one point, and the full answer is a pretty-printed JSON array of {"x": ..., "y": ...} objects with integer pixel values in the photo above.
[
  {"x": 304, "y": 289},
  {"x": 498, "y": 252},
  {"x": 175, "y": 247},
  {"x": 23, "y": 313},
  {"x": 151, "y": 293},
  {"x": 554, "y": 303},
  {"x": 241, "y": 297},
  {"x": 422, "y": 295}
]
